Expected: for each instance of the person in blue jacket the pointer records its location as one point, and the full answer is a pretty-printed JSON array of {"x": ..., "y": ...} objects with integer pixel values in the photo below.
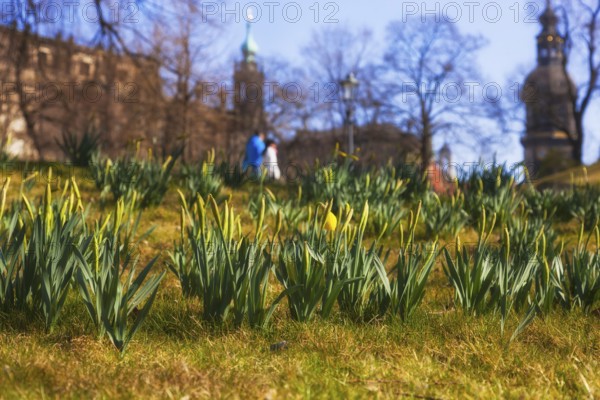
[{"x": 254, "y": 153}]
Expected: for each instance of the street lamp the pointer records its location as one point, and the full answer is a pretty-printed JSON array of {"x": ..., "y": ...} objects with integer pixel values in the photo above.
[{"x": 349, "y": 86}]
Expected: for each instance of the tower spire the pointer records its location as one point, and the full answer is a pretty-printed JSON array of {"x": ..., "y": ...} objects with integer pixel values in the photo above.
[
  {"x": 249, "y": 83},
  {"x": 549, "y": 19},
  {"x": 249, "y": 47},
  {"x": 550, "y": 43}
]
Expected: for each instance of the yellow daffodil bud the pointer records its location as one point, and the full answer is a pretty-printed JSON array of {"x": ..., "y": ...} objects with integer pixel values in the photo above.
[{"x": 330, "y": 222}]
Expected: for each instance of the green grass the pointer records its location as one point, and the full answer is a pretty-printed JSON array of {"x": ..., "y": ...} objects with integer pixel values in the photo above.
[
  {"x": 438, "y": 353},
  {"x": 435, "y": 355}
]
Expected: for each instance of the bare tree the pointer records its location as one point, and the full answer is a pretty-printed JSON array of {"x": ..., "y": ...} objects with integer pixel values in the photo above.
[
  {"x": 581, "y": 21},
  {"x": 431, "y": 80},
  {"x": 183, "y": 49},
  {"x": 334, "y": 52},
  {"x": 137, "y": 32},
  {"x": 19, "y": 40},
  {"x": 372, "y": 94},
  {"x": 25, "y": 28},
  {"x": 288, "y": 98}
]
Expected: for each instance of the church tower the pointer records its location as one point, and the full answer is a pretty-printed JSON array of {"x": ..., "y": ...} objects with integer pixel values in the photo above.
[
  {"x": 547, "y": 97},
  {"x": 249, "y": 82}
]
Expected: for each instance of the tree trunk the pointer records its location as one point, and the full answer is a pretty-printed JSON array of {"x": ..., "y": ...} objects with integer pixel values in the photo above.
[
  {"x": 426, "y": 141},
  {"x": 30, "y": 131},
  {"x": 578, "y": 142}
]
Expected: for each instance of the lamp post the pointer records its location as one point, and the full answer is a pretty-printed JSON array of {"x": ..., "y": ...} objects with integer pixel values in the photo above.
[{"x": 349, "y": 86}]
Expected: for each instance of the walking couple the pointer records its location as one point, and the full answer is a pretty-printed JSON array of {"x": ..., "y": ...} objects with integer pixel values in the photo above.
[{"x": 261, "y": 153}]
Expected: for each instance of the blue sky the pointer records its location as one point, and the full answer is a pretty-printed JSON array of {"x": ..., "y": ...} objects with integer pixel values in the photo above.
[{"x": 510, "y": 28}]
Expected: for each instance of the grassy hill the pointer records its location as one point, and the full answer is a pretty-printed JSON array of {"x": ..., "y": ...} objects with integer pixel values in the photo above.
[
  {"x": 439, "y": 353},
  {"x": 576, "y": 175}
]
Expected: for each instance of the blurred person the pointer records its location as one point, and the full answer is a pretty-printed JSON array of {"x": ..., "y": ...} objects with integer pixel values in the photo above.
[
  {"x": 270, "y": 160},
  {"x": 254, "y": 154}
]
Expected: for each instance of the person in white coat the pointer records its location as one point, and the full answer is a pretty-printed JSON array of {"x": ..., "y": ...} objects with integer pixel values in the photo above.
[{"x": 270, "y": 160}]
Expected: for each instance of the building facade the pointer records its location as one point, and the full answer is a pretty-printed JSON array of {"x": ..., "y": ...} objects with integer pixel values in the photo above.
[{"x": 51, "y": 86}]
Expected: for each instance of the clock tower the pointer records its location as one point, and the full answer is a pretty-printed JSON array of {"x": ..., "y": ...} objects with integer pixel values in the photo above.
[{"x": 547, "y": 97}]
